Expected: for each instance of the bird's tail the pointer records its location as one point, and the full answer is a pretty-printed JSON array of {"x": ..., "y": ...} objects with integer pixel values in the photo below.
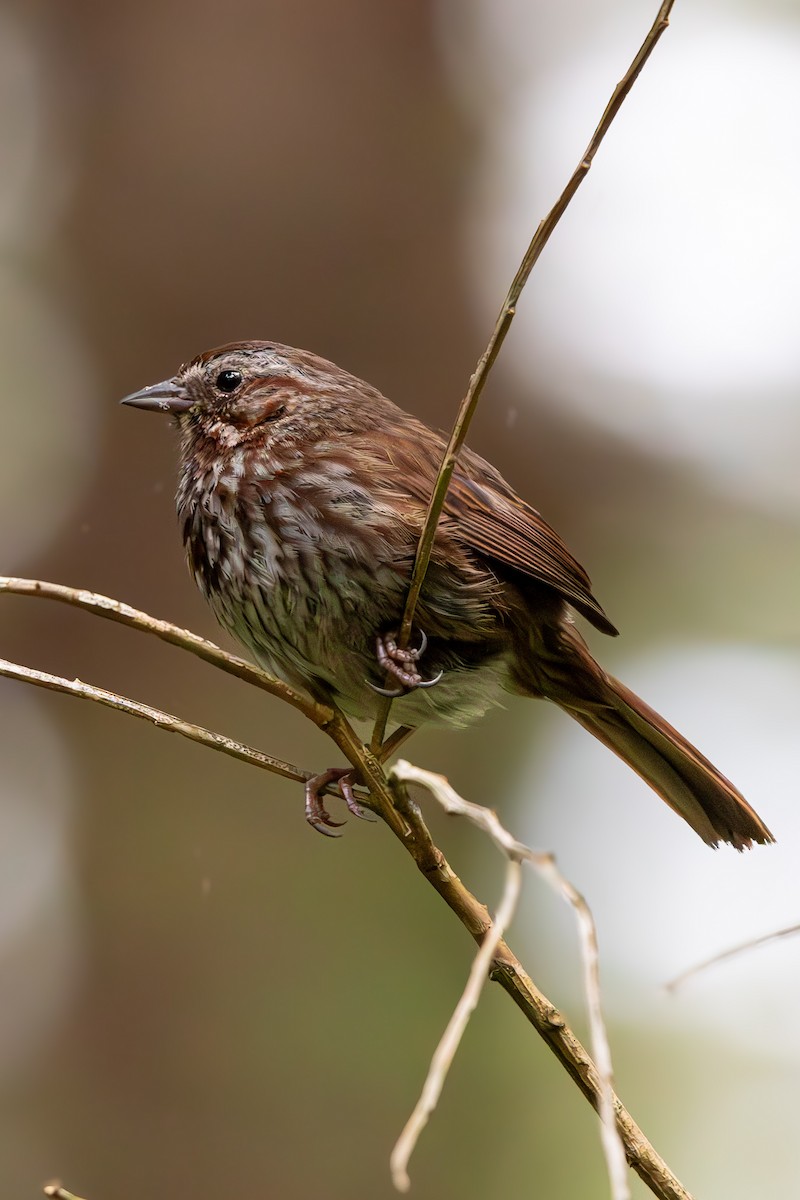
[{"x": 564, "y": 671}]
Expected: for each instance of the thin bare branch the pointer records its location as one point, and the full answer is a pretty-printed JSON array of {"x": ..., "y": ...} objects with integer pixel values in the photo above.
[
  {"x": 487, "y": 820},
  {"x": 485, "y": 363},
  {"x": 613, "y": 1148},
  {"x": 164, "y": 720},
  {"x": 733, "y": 952},
  {"x": 328, "y": 718},
  {"x": 123, "y": 614},
  {"x": 392, "y": 803},
  {"x": 451, "y": 1038},
  {"x": 57, "y": 1192},
  {"x": 405, "y": 821}
]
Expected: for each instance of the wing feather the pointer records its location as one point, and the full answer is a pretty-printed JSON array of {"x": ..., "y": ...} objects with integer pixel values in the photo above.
[
  {"x": 485, "y": 513},
  {"x": 495, "y": 522}
]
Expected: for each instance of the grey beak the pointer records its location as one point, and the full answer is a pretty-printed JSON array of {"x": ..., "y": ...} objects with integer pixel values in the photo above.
[{"x": 167, "y": 396}]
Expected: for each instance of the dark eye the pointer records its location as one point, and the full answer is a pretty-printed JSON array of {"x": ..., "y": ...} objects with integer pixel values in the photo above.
[{"x": 228, "y": 381}]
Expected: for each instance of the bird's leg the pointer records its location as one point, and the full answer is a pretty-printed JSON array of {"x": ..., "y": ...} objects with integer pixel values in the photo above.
[
  {"x": 400, "y": 662},
  {"x": 316, "y": 813}
]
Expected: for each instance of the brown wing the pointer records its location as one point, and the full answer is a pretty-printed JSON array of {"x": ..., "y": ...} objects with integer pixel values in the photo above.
[
  {"x": 494, "y": 521},
  {"x": 489, "y": 516}
]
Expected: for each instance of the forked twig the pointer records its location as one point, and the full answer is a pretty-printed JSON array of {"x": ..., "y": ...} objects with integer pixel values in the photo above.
[
  {"x": 405, "y": 822},
  {"x": 502, "y": 325},
  {"x": 517, "y": 853}
]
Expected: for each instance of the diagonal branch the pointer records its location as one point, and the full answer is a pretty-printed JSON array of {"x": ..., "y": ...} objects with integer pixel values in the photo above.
[
  {"x": 486, "y": 361},
  {"x": 391, "y": 802},
  {"x": 57, "y": 1191},
  {"x": 405, "y": 821},
  {"x": 184, "y": 639},
  {"x": 548, "y": 1022},
  {"x": 328, "y": 718},
  {"x": 162, "y": 720},
  {"x": 516, "y": 853}
]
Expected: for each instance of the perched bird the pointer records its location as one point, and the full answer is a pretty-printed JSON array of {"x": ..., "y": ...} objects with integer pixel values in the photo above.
[{"x": 302, "y": 495}]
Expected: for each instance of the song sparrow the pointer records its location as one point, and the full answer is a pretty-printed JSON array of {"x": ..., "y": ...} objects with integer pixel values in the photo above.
[{"x": 301, "y": 498}]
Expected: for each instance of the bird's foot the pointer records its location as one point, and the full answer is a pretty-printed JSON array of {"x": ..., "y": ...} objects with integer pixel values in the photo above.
[
  {"x": 316, "y": 813},
  {"x": 400, "y": 662}
]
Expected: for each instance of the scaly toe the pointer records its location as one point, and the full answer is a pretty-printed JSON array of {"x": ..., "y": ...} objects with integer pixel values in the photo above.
[
  {"x": 346, "y": 784},
  {"x": 399, "y": 662},
  {"x": 317, "y": 815}
]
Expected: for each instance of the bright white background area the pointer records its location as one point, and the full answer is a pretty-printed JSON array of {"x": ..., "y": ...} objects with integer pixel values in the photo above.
[{"x": 666, "y": 305}]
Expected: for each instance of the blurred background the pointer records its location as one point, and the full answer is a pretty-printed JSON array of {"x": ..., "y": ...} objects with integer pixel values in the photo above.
[{"x": 197, "y": 993}]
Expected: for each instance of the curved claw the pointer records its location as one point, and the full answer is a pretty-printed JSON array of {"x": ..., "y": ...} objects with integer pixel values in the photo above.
[
  {"x": 406, "y": 654},
  {"x": 426, "y": 683},
  {"x": 317, "y": 815},
  {"x": 320, "y": 828},
  {"x": 392, "y": 693},
  {"x": 398, "y": 662}
]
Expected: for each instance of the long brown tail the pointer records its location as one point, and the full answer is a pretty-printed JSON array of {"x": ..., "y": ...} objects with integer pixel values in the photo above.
[{"x": 565, "y": 672}]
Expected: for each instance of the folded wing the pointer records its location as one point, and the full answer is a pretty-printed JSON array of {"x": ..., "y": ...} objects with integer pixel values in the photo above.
[{"x": 496, "y": 523}]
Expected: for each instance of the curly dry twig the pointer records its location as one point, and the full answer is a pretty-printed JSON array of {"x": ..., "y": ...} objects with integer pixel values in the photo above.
[
  {"x": 487, "y": 360},
  {"x": 544, "y": 864}
]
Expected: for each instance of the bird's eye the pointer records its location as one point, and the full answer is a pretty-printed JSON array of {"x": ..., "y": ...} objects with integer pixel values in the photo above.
[{"x": 228, "y": 381}]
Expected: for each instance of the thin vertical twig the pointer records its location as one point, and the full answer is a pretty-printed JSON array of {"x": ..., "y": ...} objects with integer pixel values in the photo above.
[
  {"x": 486, "y": 361},
  {"x": 613, "y": 1149},
  {"x": 451, "y": 1038}
]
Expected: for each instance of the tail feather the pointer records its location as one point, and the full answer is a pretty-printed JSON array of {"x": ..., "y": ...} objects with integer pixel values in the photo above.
[
  {"x": 678, "y": 772},
  {"x": 681, "y": 775}
]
